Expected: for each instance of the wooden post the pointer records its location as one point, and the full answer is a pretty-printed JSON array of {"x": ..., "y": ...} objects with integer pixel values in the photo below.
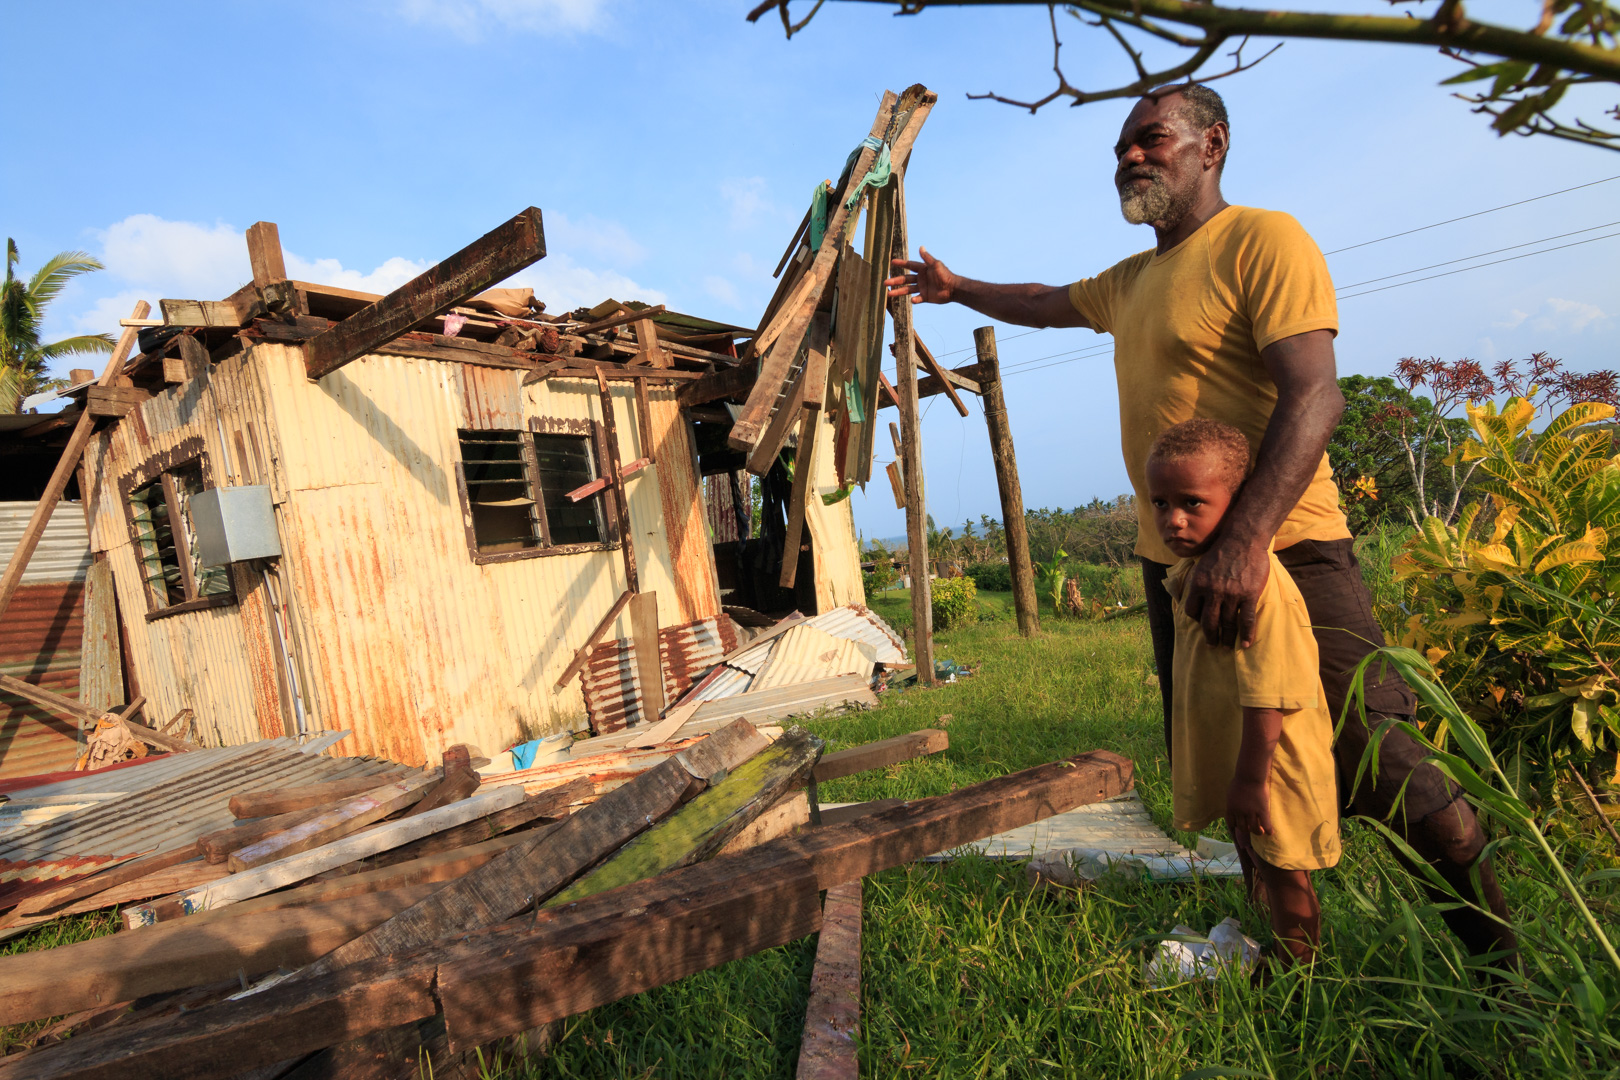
[
  {"x": 905, "y": 377},
  {"x": 65, "y": 467},
  {"x": 1012, "y": 496},
  {"x": 649, "y": 667},
  {"x": 264, "y": 253},
  {"x": 621, "y": 499}
]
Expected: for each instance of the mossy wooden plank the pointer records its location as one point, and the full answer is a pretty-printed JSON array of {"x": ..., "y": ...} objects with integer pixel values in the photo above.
[{"x": 702, "y": 826}]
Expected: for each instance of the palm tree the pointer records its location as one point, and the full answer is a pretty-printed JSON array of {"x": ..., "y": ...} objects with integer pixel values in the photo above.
[{"x": 23, "y": 359}]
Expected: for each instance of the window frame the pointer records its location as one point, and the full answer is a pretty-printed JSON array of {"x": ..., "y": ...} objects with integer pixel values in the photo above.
[
  {"x": 606, "y": 509},
  {"x": 160, "y": 468}
]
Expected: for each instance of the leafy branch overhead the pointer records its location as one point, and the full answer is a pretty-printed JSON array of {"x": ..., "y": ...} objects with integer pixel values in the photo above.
[{"x": 1517, "y": 77}]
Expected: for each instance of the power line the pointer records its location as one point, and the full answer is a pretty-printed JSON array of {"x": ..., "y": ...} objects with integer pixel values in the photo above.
[
  {"x": 1494, "y": 262},
  {"x": 1478, "y": 213},
  {"x": 1009, "y": 337},
  {"x": 1481, "y": 255}
]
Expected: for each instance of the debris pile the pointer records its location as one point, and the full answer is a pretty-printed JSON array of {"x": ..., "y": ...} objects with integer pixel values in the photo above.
[{"x": 364, "y": 915}]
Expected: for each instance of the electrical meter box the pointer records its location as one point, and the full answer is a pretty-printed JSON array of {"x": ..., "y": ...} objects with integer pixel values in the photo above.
[{"x": 235, "y": 523}]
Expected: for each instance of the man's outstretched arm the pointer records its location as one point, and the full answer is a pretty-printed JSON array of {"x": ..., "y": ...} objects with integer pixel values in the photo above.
[
  {"x": 931, "y": 282},
  {"x": 1225, "y": 588}
]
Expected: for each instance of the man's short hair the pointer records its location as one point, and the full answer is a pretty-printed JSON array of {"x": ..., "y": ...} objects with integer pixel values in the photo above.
[
  {"x": 1202, "y": 107},
  {"x": 1221, "y": 444}
]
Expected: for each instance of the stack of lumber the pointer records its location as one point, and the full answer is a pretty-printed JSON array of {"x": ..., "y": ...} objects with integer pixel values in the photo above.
[{"x": 356, "y": 956}]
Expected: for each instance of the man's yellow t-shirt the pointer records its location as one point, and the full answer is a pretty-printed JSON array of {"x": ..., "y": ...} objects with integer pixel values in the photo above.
[
  {"x": 1188, "y": 328},
  {"x": 1212, "y": 685}
]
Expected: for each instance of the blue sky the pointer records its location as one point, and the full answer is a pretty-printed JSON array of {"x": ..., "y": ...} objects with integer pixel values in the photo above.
[{"x": 673, "y": 148}]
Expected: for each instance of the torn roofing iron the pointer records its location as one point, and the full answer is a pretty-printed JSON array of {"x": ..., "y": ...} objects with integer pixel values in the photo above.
[
  {"x": 805, "y": 655},
  {"x": 861, "y": 623},
  {"x": 187, "y": 797},
  {"x": 869, "y": 637},
  {"x": 613, "y": 688}
]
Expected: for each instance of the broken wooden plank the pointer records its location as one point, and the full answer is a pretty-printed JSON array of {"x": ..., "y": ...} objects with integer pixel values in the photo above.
[
  {"x": 649, "y": 665},
  {"x": 938, "y": 372},
  {"x": 789, "y": 326},
  {"x": 664, "y": 731},
  {"x": 496, "y": 255},
  {"x": 534, "y": 872},
  {"x": 307, "y": 864},
  {"x": 173, "y": 956},
  {"x": 583, "y": 654},
  {"x": 897, "y": 484},
  {"x": 627, "y": 316},
  {"x": 113, "y": 401},
  {"x": 621, "y": 500},
  {"x": 459, "y": 782},
  {"x": 121, "y": 874},
  {"x": 833, "y": 1015},
  {"x": 218, "y": 845},
  {"x": 539, "y": 807},
  {"x": 221, "y": 313},
  {"x": 724, "y": 383},
  {"x": 66, "y": 706},
  {"x": 528, "y": 874},
  {"x": 65, "y": 467},
  {"x": 838, "y": 815},
  {"x": 785, "y": 817},
  {"x": 702, "y": 827},
  {"x": 880, "y": 755},
  {"x": 601, "y": 483},
  {"x": 189, "y": 364},
  {"x": 334, "y": 823},
  {"x": 538, "y": 969},
  {"x": 253, "y": 804}
]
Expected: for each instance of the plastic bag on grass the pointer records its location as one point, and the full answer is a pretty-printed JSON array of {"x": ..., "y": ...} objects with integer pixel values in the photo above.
[{"x": 1191, "y": 955}]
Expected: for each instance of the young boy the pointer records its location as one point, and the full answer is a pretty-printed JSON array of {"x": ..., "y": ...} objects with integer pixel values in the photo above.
[{"x": 1252, "y": 738}]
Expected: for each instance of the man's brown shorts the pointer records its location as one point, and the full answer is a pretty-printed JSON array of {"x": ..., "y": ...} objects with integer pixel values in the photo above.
[{"x": 1329, "y": 578}]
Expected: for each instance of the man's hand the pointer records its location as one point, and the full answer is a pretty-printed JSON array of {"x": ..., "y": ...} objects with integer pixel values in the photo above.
[
  {"x": 927, "y": 282},
  {"x": 1248, "y": 808},
  {"x": 1223, "y": 593},
  {"x": 931, "y": 282}
]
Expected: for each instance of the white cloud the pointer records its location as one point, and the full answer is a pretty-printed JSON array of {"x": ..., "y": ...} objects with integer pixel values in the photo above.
[
  {"x": 470, "y": 20},
  {"x": 1573, "y": 315},
  {"x": 746, "y": 199},
  {"x": 722, "y": 290},
  {"x": 565, "y": 285},
  {"x": 190, "y": 259},
  {"x": 148, "y": 257},
  {"x": 385, "y": 279},
  {"x": 606, "y": 240},
  {"x": 1514, "y": 318}
]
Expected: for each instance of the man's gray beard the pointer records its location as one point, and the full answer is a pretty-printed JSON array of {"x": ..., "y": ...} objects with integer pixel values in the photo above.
[{"x": 1156, "y": 203}]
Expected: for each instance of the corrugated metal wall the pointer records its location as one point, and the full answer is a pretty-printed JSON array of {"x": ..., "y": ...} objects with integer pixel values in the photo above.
[
  {"x": 217, "y": 662},
  {"x": 412, "y": 644},
  {"x": 41, "y": 636}
]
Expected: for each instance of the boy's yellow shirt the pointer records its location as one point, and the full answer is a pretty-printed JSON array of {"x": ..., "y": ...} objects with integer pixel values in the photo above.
[
  {"x": 1188, "y": 328},
  {"x": 1212, "y": 686}
]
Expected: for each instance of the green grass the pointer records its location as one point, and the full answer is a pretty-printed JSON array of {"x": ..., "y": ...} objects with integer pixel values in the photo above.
[{"x": 967, "y": 973}]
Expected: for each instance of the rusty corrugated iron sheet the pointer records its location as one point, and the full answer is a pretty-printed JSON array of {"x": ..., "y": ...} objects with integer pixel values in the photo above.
[
  {"x": 190, "y": 798},
  {"x": 40, "y": 640},
  {"x": 491, "y": 398},
  {"x": 613, "y": 687}
]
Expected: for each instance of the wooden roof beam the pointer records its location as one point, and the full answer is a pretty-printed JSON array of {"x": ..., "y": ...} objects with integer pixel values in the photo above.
[{"x": 491, "y": 258}]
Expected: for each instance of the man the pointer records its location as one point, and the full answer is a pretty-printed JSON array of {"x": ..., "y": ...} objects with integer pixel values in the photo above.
[{"x": 1232, "y": 317}]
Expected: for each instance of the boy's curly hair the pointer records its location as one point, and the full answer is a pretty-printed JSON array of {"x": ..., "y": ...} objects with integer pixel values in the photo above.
[{"x": 1204, "y": 438}]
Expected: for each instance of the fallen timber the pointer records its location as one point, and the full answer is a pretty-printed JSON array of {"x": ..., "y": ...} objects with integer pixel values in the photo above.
[{"x": 529, "y": 971}]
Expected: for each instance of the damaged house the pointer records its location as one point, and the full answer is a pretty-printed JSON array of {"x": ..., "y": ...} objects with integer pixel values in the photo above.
[{"x": 324, "y": 511}]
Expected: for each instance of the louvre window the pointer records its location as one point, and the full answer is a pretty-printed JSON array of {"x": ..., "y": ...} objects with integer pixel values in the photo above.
[
  {"x": 165, "y": 542},
  {"x": 517, "y": 486}
]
